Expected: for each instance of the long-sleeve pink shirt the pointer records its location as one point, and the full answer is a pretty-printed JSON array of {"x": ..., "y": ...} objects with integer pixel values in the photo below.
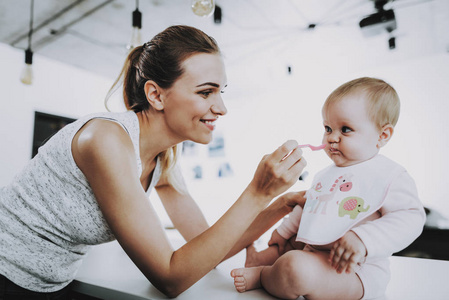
[{"x": 389, "y": 229}]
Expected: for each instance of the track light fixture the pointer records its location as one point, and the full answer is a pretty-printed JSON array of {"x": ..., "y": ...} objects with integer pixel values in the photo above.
[
  {"x": 136, "y": 35},
  {"x": 380, "y": 21},
  {"x": 26, "y": 76}
]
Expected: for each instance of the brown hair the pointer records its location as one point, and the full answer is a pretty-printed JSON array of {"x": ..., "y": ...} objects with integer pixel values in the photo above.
[
  {"x": 382, "y": 99},
  {"x": 160, "y": 60}
]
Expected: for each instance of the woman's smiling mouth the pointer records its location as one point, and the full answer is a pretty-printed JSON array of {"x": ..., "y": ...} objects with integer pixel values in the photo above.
[{"x": 209, "y": 123}]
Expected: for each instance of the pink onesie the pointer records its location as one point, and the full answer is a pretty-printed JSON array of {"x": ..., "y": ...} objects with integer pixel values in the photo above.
[{"x": 377, "y": 199}]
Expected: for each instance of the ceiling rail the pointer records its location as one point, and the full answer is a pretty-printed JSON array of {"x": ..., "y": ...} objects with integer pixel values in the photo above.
[
  {"x": 47, "y": 21},
  {"x": 57, "y": 32}
]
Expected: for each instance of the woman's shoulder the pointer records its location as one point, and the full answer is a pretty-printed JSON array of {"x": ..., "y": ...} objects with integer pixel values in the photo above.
[
  {"x": 100, "y": 134},
  {"x": 127, "y": 119},
  {"x": 106, "y": 127}
]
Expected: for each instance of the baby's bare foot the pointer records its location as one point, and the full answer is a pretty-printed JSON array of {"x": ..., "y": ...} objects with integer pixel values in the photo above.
[{"x": 246, "y": 279}]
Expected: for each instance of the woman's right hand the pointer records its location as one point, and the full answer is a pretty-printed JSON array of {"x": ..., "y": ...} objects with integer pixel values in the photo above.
[{"x": 278, "y": 171}]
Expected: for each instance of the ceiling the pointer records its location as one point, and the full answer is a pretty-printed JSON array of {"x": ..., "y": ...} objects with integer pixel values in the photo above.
[{"x": 93, "y": 34}]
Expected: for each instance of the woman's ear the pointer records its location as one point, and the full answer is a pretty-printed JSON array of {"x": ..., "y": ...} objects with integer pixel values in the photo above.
[
  {"x": 153, "y": 93},
  {"x": 385, "y": 135}
]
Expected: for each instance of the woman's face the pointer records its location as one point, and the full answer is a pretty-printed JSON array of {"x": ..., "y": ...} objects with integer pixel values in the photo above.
[
  {"x": 349, "y": 133},
  {"x": 194, "y": 103}
]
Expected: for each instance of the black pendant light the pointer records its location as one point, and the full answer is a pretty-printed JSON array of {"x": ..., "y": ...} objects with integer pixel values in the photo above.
[
  {"x": 27, "y": 73},
  {"x": 136, "y": 36}
]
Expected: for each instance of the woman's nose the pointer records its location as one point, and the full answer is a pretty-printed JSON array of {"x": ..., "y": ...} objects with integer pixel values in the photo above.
[{"x": 219, "y": 107}]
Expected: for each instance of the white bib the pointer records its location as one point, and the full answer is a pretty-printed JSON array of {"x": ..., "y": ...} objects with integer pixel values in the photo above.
[{"x": 341, "y": 197}]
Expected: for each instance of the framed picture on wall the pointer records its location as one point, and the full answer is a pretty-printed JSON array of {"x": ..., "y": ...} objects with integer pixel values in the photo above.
[{"x": 45, "y": 126}]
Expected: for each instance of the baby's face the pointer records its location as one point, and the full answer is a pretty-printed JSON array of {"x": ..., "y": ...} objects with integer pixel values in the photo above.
[{"x": 350, "y": 135}]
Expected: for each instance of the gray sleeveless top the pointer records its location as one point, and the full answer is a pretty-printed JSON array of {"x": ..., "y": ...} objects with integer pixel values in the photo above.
[{"x": 49, "y": 215}]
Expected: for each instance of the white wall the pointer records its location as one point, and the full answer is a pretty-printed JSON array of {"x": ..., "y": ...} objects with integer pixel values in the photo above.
[
  {"x": 268, "y": 107},
  {"x": 265, "y": 107},
  {"x": 57, "y": 89}
]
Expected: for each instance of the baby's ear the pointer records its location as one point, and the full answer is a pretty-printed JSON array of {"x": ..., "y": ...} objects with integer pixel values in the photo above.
[{"x": 385, "y": 135}]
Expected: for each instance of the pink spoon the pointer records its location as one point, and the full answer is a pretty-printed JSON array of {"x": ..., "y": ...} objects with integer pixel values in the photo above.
[{"x": 313, "y": 148}]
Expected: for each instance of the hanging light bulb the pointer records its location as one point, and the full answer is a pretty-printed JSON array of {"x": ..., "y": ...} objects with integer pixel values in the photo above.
[
  {"x": 203, "y": 8},
  {"x": 136, "y": 35},
  {"x": 26, "y": 77},
  {"x": 27, "y": 73}
]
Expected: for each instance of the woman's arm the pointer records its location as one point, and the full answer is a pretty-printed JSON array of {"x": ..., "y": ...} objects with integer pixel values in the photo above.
[
  {"x": 104, "y": 153},
  {"x": 267, "y": 219},
  {"x": 182, "y": 210},
  {"x": 189, "y": 220}
]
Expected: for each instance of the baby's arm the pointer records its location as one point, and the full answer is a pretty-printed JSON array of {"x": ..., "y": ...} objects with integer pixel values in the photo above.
[
  {"x": 289, "y": 227},
  {"x": 402, "y": 219},
  {"x": 401, "y": 222}
]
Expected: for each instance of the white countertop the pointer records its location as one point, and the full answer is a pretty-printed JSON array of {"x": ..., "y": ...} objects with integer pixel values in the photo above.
[{"x": 108, "y": 273}]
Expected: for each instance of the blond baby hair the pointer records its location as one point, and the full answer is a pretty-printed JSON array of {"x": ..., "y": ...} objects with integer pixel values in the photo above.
[{"x": 382, "y": 99}]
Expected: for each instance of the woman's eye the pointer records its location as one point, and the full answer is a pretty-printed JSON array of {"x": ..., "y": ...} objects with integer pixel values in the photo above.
[
  {"x": 346, "y": 129},
  {"x": 205, "y": 94},
  {"x": 327, "y": 129}
]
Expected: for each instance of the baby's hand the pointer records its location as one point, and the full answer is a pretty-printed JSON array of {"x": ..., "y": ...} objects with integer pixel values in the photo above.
[
  {"x": 277, "y": 239},
  {"x": 347, "y": 252}
]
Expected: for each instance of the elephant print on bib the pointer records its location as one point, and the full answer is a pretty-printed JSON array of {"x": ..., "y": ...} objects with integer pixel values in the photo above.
[{"x": 352, "y": 206}]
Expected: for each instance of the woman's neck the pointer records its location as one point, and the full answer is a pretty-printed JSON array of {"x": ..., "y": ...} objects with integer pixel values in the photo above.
[{"x": 154, "y": 136}]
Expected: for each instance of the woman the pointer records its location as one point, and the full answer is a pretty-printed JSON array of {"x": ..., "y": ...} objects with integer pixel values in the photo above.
[{"x": 89, "y": 184}]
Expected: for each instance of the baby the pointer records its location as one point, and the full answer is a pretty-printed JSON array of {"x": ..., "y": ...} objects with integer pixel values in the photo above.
[{"x": 359, "y": 211}]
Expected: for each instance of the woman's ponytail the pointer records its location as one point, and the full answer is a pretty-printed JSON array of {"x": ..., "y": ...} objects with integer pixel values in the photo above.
[{"x": 132, "y": 81}]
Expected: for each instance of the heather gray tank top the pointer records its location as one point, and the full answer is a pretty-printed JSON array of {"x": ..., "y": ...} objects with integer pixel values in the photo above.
[{"x": 49, "y": 215}]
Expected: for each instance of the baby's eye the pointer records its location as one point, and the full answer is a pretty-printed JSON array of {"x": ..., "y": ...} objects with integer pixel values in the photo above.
[
  {"x": 346, "y": 129},
  {"x": 327, "y": 129}
]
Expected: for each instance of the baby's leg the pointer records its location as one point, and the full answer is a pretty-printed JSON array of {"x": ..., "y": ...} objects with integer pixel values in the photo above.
[
  {"x": 304, "y": 273},
  {"x": 265, "y": 257}
]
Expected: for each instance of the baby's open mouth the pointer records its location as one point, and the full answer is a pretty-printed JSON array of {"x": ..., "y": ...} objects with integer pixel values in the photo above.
[{"x": 333, "y": 150}]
